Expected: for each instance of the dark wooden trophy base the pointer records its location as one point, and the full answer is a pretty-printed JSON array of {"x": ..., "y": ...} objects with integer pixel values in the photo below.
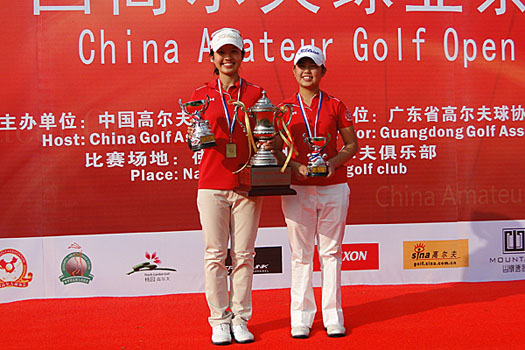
[{"x": 264, "y": 181}]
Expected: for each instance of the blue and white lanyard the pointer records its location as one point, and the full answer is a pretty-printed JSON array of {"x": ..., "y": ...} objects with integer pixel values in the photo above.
[
  {"x": 231, "y": 121},
  {"x": 303, "y": 112}
]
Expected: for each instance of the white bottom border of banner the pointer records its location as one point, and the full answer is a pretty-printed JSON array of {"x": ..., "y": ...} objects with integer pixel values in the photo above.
[{"x": 111, "y": 258}]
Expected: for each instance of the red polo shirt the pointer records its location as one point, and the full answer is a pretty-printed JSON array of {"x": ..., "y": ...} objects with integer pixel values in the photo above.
[
  {"x": 216, "y": 171},
  {"x": 333, "y": 116}
]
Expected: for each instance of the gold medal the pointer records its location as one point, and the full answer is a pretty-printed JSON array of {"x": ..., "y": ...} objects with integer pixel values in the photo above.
[{"x": 231, "y": 150}]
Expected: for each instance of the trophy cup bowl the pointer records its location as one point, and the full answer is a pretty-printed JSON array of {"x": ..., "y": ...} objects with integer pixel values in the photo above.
[
  {"x": 316, "y": 161},
  {"x": 263, "y": 132},
  {"x": 202, "y": 137},
  {"x": 263, "y": 176}
]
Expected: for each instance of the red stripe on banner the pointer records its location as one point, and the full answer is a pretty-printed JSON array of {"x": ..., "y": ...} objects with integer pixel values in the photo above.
[{"x": 358, "y": 256}]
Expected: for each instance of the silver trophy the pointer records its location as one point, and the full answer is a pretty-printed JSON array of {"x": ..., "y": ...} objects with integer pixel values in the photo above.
[
  {"x": 202, "y": 137},
  {"x": 261, "y": 175},
  {"x": 316, "y": 160},
  {"x": 264, "y": 113}
]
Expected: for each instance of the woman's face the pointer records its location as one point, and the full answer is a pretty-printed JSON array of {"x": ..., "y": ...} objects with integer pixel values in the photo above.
[
  {"x": 227, "y": 59},
  {"x": 307, "y": 73}
]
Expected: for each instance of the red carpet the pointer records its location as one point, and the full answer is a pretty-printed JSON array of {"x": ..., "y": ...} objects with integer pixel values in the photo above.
[{"x": 445, "y": 316}]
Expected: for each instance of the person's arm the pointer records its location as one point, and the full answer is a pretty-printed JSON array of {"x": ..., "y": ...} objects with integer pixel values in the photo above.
[{"x": 349, "y": 149}]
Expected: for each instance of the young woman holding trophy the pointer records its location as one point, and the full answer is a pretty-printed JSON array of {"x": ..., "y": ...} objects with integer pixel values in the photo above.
[
  {"x": 224, "y": 214},
  {"x": 318, "y": 211}
]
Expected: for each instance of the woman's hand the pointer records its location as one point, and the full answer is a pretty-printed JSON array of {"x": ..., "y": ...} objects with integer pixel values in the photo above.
[
  {"x": 348, "y": 151},
  {"x": 330, "y": 168},
  {"x": 300, "y": 170},
  {"x": 189, "y": 131},
  {"x": 269, "y": 145}
]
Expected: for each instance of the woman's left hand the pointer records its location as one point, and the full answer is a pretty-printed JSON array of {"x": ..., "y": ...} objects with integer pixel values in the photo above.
[{"x": 330, "y": 168}]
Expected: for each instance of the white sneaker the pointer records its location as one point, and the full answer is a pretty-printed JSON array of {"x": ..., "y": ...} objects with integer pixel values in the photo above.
[
  {"x": 241, "y": 334},
  {"x": 300, "y": 332},
  {"x": 221, "y": 334},
  {"x": 336, "y": 331}
]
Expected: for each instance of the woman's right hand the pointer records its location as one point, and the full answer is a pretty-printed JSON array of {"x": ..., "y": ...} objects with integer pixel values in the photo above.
[{"x": 189, "y": 131}]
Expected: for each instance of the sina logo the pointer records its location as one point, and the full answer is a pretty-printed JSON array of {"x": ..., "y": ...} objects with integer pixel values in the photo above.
[
  {"x": 419, "y": 252},
  {"x": 150, "y": 265},
  {"x": 76, "y": 267},
  {"x": 13, "y": 269}
]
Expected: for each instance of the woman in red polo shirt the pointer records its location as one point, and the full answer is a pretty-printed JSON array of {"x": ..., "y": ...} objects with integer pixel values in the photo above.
[
  {"x": 224, "y": 214},
  {"x": 319, "y": 210}
]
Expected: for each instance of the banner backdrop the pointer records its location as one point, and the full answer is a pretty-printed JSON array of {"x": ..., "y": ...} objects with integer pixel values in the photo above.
[
  {"x": 92, "y": 136},
  {"x": 159, "y": 263}
]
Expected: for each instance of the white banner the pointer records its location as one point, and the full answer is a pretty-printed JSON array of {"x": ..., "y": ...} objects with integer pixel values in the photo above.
[{"x": 136, "y": 264}]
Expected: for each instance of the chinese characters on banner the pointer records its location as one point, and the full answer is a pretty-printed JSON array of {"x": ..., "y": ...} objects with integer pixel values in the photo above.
[{"x": 92, "y": 139}]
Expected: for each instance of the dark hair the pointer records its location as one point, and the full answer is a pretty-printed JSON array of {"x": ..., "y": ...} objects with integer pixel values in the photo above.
[{"x": 215, "y": 70}]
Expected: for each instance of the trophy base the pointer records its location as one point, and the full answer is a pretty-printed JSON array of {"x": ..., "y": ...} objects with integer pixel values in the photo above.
[
  {"x": 317, "y": 174},
  {"x": 264, "y": 181},
  {"x": 200, "y": 146}
]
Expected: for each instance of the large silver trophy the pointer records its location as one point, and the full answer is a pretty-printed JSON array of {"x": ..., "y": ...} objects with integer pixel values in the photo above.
[
  {"x": 316, "y": 159},
  {"x": 262, "y": 176},
  {"x": 202, "y": 137},
  {"x": 264, "y": 113}
]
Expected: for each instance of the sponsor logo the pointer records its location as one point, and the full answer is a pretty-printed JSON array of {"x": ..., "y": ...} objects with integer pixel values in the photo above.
[
  {"x": 226, "y": 35},
  {"x": 153, "y": 272},
  {"x": 513, "y": 240},
  {"x": 512, "y": 243},
  {"x": 349, "y": 116},
  {"x": 435, "y": 254},
  {"x": 13, "y": 269},
  {"x": 356, "y": 256},
  {"x": 76, "y": 267},
  {"x": 309, "y": 50},
  {"x": 267, "y": 260}
]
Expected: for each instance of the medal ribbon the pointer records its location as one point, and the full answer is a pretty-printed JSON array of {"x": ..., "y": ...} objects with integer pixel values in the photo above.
[
  {"x": 315, "y": 154},
  {"x": 231, "y": 121},
  {"x": 301, "y": 107}
]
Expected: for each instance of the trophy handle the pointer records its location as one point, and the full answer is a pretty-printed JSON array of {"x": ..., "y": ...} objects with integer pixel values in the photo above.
[
  {"x": 242, "y": 106},
  {"x": 305, "y": 139},
  {"x": 284, "y": 132},
  {"x": 246, "y": 126},
  {"x": 327, "y": 142},
  {"x": 182, "y": 106},
  {"x": 280, "y": 113},
  {"x": 206, "y": 104}
]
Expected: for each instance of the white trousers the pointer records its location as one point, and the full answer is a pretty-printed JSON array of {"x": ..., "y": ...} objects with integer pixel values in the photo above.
[
  {"x": 227, "y": 216},
  {"x": 316, "y": 213}
]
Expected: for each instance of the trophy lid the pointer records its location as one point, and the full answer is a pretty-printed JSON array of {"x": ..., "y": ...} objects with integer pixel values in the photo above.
[{"x": 263, "y": 104}]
